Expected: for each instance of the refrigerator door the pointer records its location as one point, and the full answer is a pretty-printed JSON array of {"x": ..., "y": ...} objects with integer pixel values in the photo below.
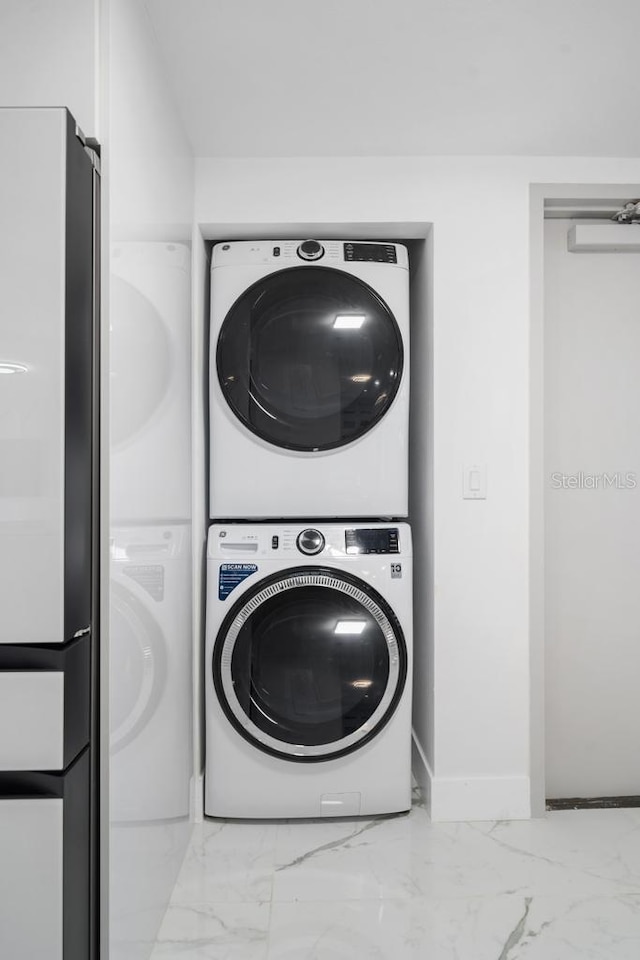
[
  {"x": 45, "y": 866},
  {"x": 46, "y": 248},
  {"x": 44, "y": 705},
  {"x": 31, "y": 839}
]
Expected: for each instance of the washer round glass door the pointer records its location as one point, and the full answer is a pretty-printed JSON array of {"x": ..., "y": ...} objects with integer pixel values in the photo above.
[
  {"x": 138, "y": 667},
  {"x": 310, "y": 664},
  {"x": 309, "y": 358}
]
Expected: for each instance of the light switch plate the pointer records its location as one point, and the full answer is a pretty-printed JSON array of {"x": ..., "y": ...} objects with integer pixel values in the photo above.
[{"x": 474, "y": 486}]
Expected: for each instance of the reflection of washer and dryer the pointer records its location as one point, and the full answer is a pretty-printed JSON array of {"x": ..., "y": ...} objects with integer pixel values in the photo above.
[
  {"x": 308, "y": 654},
  {"x": 150, "y": 670},
  {"x": 150, "y": 363},
  {"x": 309, "y": 379}
]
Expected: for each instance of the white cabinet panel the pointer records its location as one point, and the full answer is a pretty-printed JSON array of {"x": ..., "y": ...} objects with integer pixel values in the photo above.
[{"x": 31, "y": 879}]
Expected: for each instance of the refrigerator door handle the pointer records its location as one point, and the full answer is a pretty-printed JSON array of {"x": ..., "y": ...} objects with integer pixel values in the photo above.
[{"x": 9, "y": 366}]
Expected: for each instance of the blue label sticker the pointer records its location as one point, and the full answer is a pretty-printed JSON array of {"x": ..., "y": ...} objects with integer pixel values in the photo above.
[{"x": 232, "y": 574}]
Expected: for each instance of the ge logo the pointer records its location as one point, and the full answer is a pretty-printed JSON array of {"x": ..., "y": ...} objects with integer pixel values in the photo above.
[
  {"x": 396, "y": 571},
  {"x": 222, "y": 534}
]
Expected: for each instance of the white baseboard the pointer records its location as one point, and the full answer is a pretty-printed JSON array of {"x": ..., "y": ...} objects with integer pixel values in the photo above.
[
  {"x": 197, "y": 797},
  {"x": 421, "y": 769},
  {"x": 480, "y": 798},
  {"x": 470, "y": 798}
]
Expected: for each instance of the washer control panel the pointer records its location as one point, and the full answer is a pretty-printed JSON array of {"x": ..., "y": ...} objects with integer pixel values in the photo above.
[{"x": 241, "y": 543}]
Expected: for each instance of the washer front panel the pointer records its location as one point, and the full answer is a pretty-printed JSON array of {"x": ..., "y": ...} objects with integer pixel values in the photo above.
[
  {"x": 309, "y": 358},
  {"x": 310, "y": 664}
]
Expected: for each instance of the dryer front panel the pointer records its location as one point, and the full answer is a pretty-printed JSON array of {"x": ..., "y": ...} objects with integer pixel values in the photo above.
[
  {"x": 309, "y": 358},
  {"x": 310, "y": 664}
]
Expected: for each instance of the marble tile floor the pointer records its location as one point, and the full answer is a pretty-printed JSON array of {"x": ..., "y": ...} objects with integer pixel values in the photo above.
[{"x": 566, "y": 887}]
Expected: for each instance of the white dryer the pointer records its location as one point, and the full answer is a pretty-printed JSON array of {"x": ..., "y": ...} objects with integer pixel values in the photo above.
[
  {"x": 309, "y": 379},
  {"x": 307, "y": 670},
  {"x": 150, "y": 382},
  {"x": 150, "y": 673}
]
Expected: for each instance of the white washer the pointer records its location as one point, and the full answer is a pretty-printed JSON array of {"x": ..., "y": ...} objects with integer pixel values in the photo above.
[
  {"x": 308, "y": 670},
  {"x": 309, "y": 379},
  {"x": 150, "y": 382},
  {"x": 150, "y": 673}
]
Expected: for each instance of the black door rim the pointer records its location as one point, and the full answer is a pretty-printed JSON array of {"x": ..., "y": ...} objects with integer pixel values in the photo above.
[{"x": 288, "y": 443}]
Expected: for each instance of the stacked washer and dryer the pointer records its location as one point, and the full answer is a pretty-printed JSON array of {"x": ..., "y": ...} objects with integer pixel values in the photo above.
[{"x": 308, "y": 648}]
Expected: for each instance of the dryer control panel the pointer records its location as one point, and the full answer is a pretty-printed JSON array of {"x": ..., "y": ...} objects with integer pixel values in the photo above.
[{"x": 290, "y": 253}]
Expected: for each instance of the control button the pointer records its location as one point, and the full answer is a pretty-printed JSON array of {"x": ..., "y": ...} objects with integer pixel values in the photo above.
[
  {"x": 276, "y": 251},
  {"x": 310, "y": 542},
  {"x": 275, "y": 542},
  {"x": 310, "y": 250}
]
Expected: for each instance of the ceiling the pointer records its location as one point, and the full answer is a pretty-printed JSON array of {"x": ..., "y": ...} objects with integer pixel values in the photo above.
[{"x": 404, "y": 77}]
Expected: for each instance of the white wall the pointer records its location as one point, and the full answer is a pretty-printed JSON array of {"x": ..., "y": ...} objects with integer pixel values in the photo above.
[
  {"x": 408, "y": 78},
  {"x": 147, "y": 205},
  {"x": 479, "y": 208},
  {"x": 421, "y": 504},
  {"x": 149, "y": 157},
  {"x": 48, "y": 57},
  {"x": 200, "y": 466},
  {"x": 592, "y": 551}
]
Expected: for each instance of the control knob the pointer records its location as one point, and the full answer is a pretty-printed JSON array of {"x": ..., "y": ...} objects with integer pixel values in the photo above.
[
  {"x": 310, "y": 250},
  {"x": 310, "y": 542}
]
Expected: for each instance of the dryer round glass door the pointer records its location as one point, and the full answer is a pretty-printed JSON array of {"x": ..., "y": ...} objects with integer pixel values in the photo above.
[
  {"x": 309, "y": 358},
  {"x": 140, "y": 361},
  {"x": 310, "y": 664}
]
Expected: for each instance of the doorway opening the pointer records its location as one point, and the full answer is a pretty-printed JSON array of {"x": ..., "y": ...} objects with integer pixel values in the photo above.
[{"x": 585, "y": 499}]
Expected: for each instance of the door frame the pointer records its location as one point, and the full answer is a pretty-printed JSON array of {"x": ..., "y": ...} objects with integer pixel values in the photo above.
[{"x": 567, "y": 201}]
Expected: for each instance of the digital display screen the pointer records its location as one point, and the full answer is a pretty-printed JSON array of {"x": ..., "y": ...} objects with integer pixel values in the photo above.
[
  {"x": 372, "y": 252},
  {"x": 372, "y": 540}
]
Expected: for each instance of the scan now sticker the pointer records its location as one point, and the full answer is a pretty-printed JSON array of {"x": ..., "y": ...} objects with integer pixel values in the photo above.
[{"x": 231, "y": 575}]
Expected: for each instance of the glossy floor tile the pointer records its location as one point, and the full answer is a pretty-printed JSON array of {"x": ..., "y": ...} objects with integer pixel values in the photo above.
[{"x": 566, "y": 887}]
